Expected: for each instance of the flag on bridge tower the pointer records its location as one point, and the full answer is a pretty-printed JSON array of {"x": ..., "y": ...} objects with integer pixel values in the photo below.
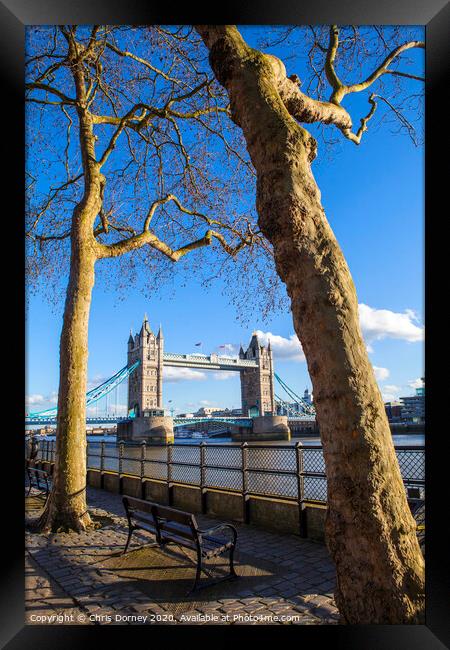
[{"x": 197, "y": 344}]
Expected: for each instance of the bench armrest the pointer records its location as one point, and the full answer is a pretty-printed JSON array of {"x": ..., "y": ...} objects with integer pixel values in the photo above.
[{"x": 217, "y": 528}]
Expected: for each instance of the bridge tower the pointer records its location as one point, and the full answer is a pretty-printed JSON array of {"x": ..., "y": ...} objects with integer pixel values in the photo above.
[
  {"x": 145, "y": 383},
  {"x": 257, "y": 383}
]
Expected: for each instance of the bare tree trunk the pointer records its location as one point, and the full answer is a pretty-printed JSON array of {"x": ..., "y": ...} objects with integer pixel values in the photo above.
[
  {"x": 370, "y": 531},
  {"x": 67, "y": 507}
]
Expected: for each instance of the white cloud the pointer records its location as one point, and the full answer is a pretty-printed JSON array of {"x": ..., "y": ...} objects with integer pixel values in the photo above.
[
  {"x": 119, "y": 409},
  {"x": 173, "y": 374},
  {"x": 381, "y": 373},
  {"x": 389, "y": 397},
  {"x": 228, "y": 348},
  {"x": 224, "y": 374},
  {"x": 415, "y": 383},
  {"x": 41, "y": 400},
  {"x": 391, "y": 388},
  {"x": 282, "y": 348},
  {"x": 377, "y": 324},
  {"x": 96, "y": 381},
  {"x": 35, "y": 399}
]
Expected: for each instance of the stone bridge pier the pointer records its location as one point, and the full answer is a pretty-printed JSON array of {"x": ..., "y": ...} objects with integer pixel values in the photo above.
[{"x": 265, "y": 427}]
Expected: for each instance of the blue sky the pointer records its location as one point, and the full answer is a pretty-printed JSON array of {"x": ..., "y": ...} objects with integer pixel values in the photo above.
[{"x": 373, "y": 196}]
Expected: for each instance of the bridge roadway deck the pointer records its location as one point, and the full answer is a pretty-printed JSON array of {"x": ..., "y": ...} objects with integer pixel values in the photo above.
[
  {"x": 207, "y": 362},
  {"x": 177, "y": 421}
]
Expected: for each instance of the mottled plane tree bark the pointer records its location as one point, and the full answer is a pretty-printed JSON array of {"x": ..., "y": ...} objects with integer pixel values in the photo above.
[
  {"x": 138, "y": 122},
  {"x": 369, "y": 528}
]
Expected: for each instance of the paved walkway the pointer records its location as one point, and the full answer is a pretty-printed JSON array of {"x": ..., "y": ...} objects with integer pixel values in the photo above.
[
  {"x": 45, "y": 601},
  {"x": 63, "y": 578}
]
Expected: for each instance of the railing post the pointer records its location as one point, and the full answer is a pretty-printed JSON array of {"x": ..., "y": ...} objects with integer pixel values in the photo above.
[
  {"x": 169, "y": 474},
  {"x": 102, "y": 456},
  {"x": 120, "y": 465},
  {"x": 300, "y": 490},
  {"x": 202, "y": 477},
  {"x": 102, "y": 463},
  {"x": 245, "y": 499},
  {"x": 143, "y": 457}
]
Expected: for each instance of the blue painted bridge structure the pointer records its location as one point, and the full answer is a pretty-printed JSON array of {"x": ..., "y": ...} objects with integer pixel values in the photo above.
[
  {"x": 297, "y": 408},
  {"x": 177, "y": 422}
]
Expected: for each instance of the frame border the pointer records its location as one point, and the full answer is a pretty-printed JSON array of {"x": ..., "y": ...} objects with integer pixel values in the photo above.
[{"x": 435, "y": 15}]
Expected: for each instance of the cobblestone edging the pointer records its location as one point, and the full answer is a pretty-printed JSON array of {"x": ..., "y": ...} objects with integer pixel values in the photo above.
[{"x": 62, "y": 578}]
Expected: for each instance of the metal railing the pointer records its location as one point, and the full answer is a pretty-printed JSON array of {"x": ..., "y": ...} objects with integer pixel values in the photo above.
[{"x": 290, "y": 472}]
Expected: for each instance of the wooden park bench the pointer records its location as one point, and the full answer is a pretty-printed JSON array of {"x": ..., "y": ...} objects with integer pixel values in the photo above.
[
  {"x": 180, "y": 528},
  {"x": 38, "y": 478}
]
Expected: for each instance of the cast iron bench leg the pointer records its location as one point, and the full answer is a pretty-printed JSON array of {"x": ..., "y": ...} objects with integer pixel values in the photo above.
[
  {"x": 130, "y": 532},
  {"x": 233, "y": 573},
  {"x": 30, "y": 482},
  {"x": 198, "y": 572}
]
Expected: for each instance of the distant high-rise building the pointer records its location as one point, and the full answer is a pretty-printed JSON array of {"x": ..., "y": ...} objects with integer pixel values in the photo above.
[
  {"x": 393, "y": 411},
  {"x": 413, "y": 406},
  {"x": 206, "y": 411}
]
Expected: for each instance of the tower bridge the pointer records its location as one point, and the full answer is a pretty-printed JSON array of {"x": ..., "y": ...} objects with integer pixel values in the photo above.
[
  {"x": 145, "y": 386},
  {"x": 146, "y": 359}
]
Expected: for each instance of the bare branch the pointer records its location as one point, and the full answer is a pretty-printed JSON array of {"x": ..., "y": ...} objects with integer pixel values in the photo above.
[
  {"x": 402, "y": 119},
  {"x": 383, "y": 68},
  {"x": 50, "y": 89},
  {"x": 146, "y": 237},
  {"x": 143, "y": 61},
  {"x": 356, "y": 138},
  {"x": 340, "y": 90},
  {"x": 404, "y": 74},
  {"x": 330, "y": 71}
]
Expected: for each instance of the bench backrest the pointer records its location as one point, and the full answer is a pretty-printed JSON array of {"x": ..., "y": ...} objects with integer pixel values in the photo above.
[
  {"x": 131, "y": 503},
  {"x": 170, "y": 523}
]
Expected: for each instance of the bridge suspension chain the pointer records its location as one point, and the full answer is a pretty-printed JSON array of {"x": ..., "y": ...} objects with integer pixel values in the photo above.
[
  {"x": 290, "y": 409},
  {"x": 97, "y": 393},
  {"x": 306, "y": 408}
]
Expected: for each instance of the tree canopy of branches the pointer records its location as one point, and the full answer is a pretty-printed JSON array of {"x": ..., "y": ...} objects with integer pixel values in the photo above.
[{"x": 173, "y": 172}]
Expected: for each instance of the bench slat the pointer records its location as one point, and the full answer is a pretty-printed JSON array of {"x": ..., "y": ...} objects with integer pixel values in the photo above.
[
  {"x": 139, "y": 504},
  {"x": 144, "y": 519},
  {"x": 172, "y": 528},
  {"x": 178, "y": 516},
  {"x": 181, "y": 541}
]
